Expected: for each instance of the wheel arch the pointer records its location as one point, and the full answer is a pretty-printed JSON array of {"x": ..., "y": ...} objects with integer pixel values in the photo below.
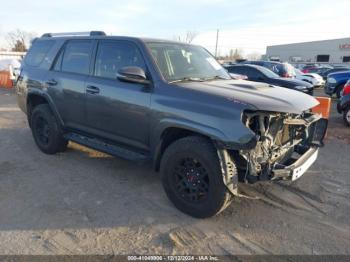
[
  {"x": 35, "y": 98},
  {"x": 168, "y": 136},
  {"x": 345, "y": 105},
  {"x": 345, "y": 112},
  {"x": 170, "y": 130}
]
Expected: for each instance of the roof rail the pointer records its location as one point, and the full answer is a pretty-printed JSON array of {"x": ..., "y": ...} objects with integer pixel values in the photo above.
[{"x": 91, "y": 33}]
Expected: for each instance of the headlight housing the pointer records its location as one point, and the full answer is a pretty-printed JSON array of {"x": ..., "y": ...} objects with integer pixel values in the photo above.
[
  {"x": 331, "y": 80},
  {"x": 300, "y": 87}
]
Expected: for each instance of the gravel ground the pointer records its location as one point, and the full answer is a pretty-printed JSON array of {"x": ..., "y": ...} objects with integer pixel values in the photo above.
[{"x": 86, "y": 202}]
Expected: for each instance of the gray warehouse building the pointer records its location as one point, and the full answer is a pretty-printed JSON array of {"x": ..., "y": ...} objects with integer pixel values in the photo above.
[{"x": 333, "y": 51}]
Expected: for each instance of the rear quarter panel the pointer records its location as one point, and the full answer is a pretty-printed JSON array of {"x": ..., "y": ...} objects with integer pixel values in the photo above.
[{"x": 32, "y": 78}]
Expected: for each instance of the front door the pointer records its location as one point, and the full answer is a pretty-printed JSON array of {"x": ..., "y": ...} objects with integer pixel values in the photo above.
[{"x": 115, "y": 109}]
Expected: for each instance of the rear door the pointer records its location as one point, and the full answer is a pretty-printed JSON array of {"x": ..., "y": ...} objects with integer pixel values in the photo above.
[
  {"x": 115, "y": 109},
  {"x": 67, "y": 81}
]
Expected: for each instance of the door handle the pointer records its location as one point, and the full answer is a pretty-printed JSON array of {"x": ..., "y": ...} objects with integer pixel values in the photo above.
[
  {"x": 92, "y": 90},
  {"x": 51, "y": 82}
]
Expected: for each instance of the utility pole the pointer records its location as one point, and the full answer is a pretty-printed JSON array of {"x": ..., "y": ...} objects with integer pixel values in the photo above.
[{"x": 216, "y": 45}]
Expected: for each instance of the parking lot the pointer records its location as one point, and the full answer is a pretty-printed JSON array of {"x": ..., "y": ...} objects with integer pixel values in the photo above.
[{"x": 86, "y": 202}]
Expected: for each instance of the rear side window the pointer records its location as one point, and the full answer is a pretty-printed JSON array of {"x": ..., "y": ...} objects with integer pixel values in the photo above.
[
  {"x": 252, "y": 73},
  {"x": 112, "y": 56},
  {"x": 76, "y": 57},
  {"x": 236, "y": 70},
  {"x": 38, "y": 51}
]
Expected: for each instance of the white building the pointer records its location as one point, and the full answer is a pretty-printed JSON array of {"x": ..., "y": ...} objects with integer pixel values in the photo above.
[{"x": 326, "y": 51}]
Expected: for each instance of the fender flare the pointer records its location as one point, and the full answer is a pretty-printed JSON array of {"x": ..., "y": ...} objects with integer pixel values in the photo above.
[
  {"x": 189, "y": 125},
  {"x": 220, "y": 140},
  {"x": 50, "y": 102},
  {"x": 166, "y": 123}
]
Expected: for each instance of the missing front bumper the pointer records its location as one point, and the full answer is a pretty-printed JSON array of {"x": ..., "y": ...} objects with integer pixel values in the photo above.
[{"x": 296, "y": 169}]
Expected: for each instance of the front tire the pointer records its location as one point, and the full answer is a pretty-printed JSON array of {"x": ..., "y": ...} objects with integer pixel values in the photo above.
[
  {"x": 346, "y": 116},
  {"x": 46, "y": 131},
  {"x": 192, "y": 177}
]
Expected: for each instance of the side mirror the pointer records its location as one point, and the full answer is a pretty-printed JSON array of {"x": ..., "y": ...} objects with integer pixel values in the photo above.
[{"x": 133, "y": 74}]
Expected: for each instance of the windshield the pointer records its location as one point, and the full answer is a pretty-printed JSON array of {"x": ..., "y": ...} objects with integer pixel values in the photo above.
[
  {"x": 179, "y": 62},
  {"x": 268, "y": 72}
]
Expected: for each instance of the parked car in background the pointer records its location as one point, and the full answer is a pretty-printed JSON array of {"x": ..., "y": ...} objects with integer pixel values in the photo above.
[
  {"x": 335, "y": 83},
  {"x": 315, "y": 68},
  {"x": 341, "y": 65},
  {"x": 262, "y": 74},
  {"x": 308, "y": 67},
  {"x": 226, "y": 63},
  {"x": 343, "y": 105},
  {"x": 281, "y": 69},
  {"x": 238, "y": 76},
  {"x": 325, "y": 73},
  {"x": 321, "y": 70},
  {"x": 299, "y": 66},
  {"x": 315, "y": 79}
]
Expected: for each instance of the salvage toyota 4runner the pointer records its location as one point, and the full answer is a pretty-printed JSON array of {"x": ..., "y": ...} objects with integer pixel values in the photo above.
[{"x": 171, "y": 103}]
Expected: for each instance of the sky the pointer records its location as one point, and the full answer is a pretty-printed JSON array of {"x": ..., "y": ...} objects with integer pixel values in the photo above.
[{"x": 248, "y": 25}]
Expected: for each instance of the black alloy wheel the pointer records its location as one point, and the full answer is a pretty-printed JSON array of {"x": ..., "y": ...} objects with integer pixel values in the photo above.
[{"x": 191, "y": 180}]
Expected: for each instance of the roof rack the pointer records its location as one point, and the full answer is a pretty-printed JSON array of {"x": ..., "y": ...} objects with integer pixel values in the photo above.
[{"x": 91, "y": 33}]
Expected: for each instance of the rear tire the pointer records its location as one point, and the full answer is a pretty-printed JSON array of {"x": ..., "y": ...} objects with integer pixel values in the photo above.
[
  {"x": 192, "y": 177},
  {"x": 46, "y": 131},
  {"x": 346, "y": 116}
]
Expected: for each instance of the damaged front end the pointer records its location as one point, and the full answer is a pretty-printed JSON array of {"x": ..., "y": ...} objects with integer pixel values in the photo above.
[{"x": 287, "y": 144}]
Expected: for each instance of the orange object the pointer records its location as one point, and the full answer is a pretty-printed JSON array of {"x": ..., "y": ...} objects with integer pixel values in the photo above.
[
  {"x": 5, "y": 80},
  {"x": 324, "y": 107}
]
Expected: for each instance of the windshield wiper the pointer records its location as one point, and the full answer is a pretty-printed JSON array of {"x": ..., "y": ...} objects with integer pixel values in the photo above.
[{"x": 186, "y": 79}]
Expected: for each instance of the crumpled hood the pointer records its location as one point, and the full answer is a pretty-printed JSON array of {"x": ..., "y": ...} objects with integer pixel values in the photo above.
[{"x": 257, "y": 96}]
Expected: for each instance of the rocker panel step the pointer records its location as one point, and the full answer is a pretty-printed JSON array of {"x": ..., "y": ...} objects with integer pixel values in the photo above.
[{"x": 106, "y": 147}]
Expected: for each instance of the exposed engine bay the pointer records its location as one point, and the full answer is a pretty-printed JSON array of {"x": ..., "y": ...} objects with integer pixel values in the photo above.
[{"x": 282, "y": 138}]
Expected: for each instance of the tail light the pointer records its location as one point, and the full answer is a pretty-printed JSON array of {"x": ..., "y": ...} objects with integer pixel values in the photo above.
[
  {"x": 346, "y": 89},
  {"x": 305, "y": 71}
]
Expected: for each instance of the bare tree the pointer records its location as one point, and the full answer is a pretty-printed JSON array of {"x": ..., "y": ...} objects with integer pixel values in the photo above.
[
  {"x": 187, "y": 38},
  {"x": 236, "y": 54},
  {"x": 19, "y": 40}
]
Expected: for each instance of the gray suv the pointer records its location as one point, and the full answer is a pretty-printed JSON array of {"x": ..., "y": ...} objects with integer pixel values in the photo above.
[{"x": 170, "y": 103}]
